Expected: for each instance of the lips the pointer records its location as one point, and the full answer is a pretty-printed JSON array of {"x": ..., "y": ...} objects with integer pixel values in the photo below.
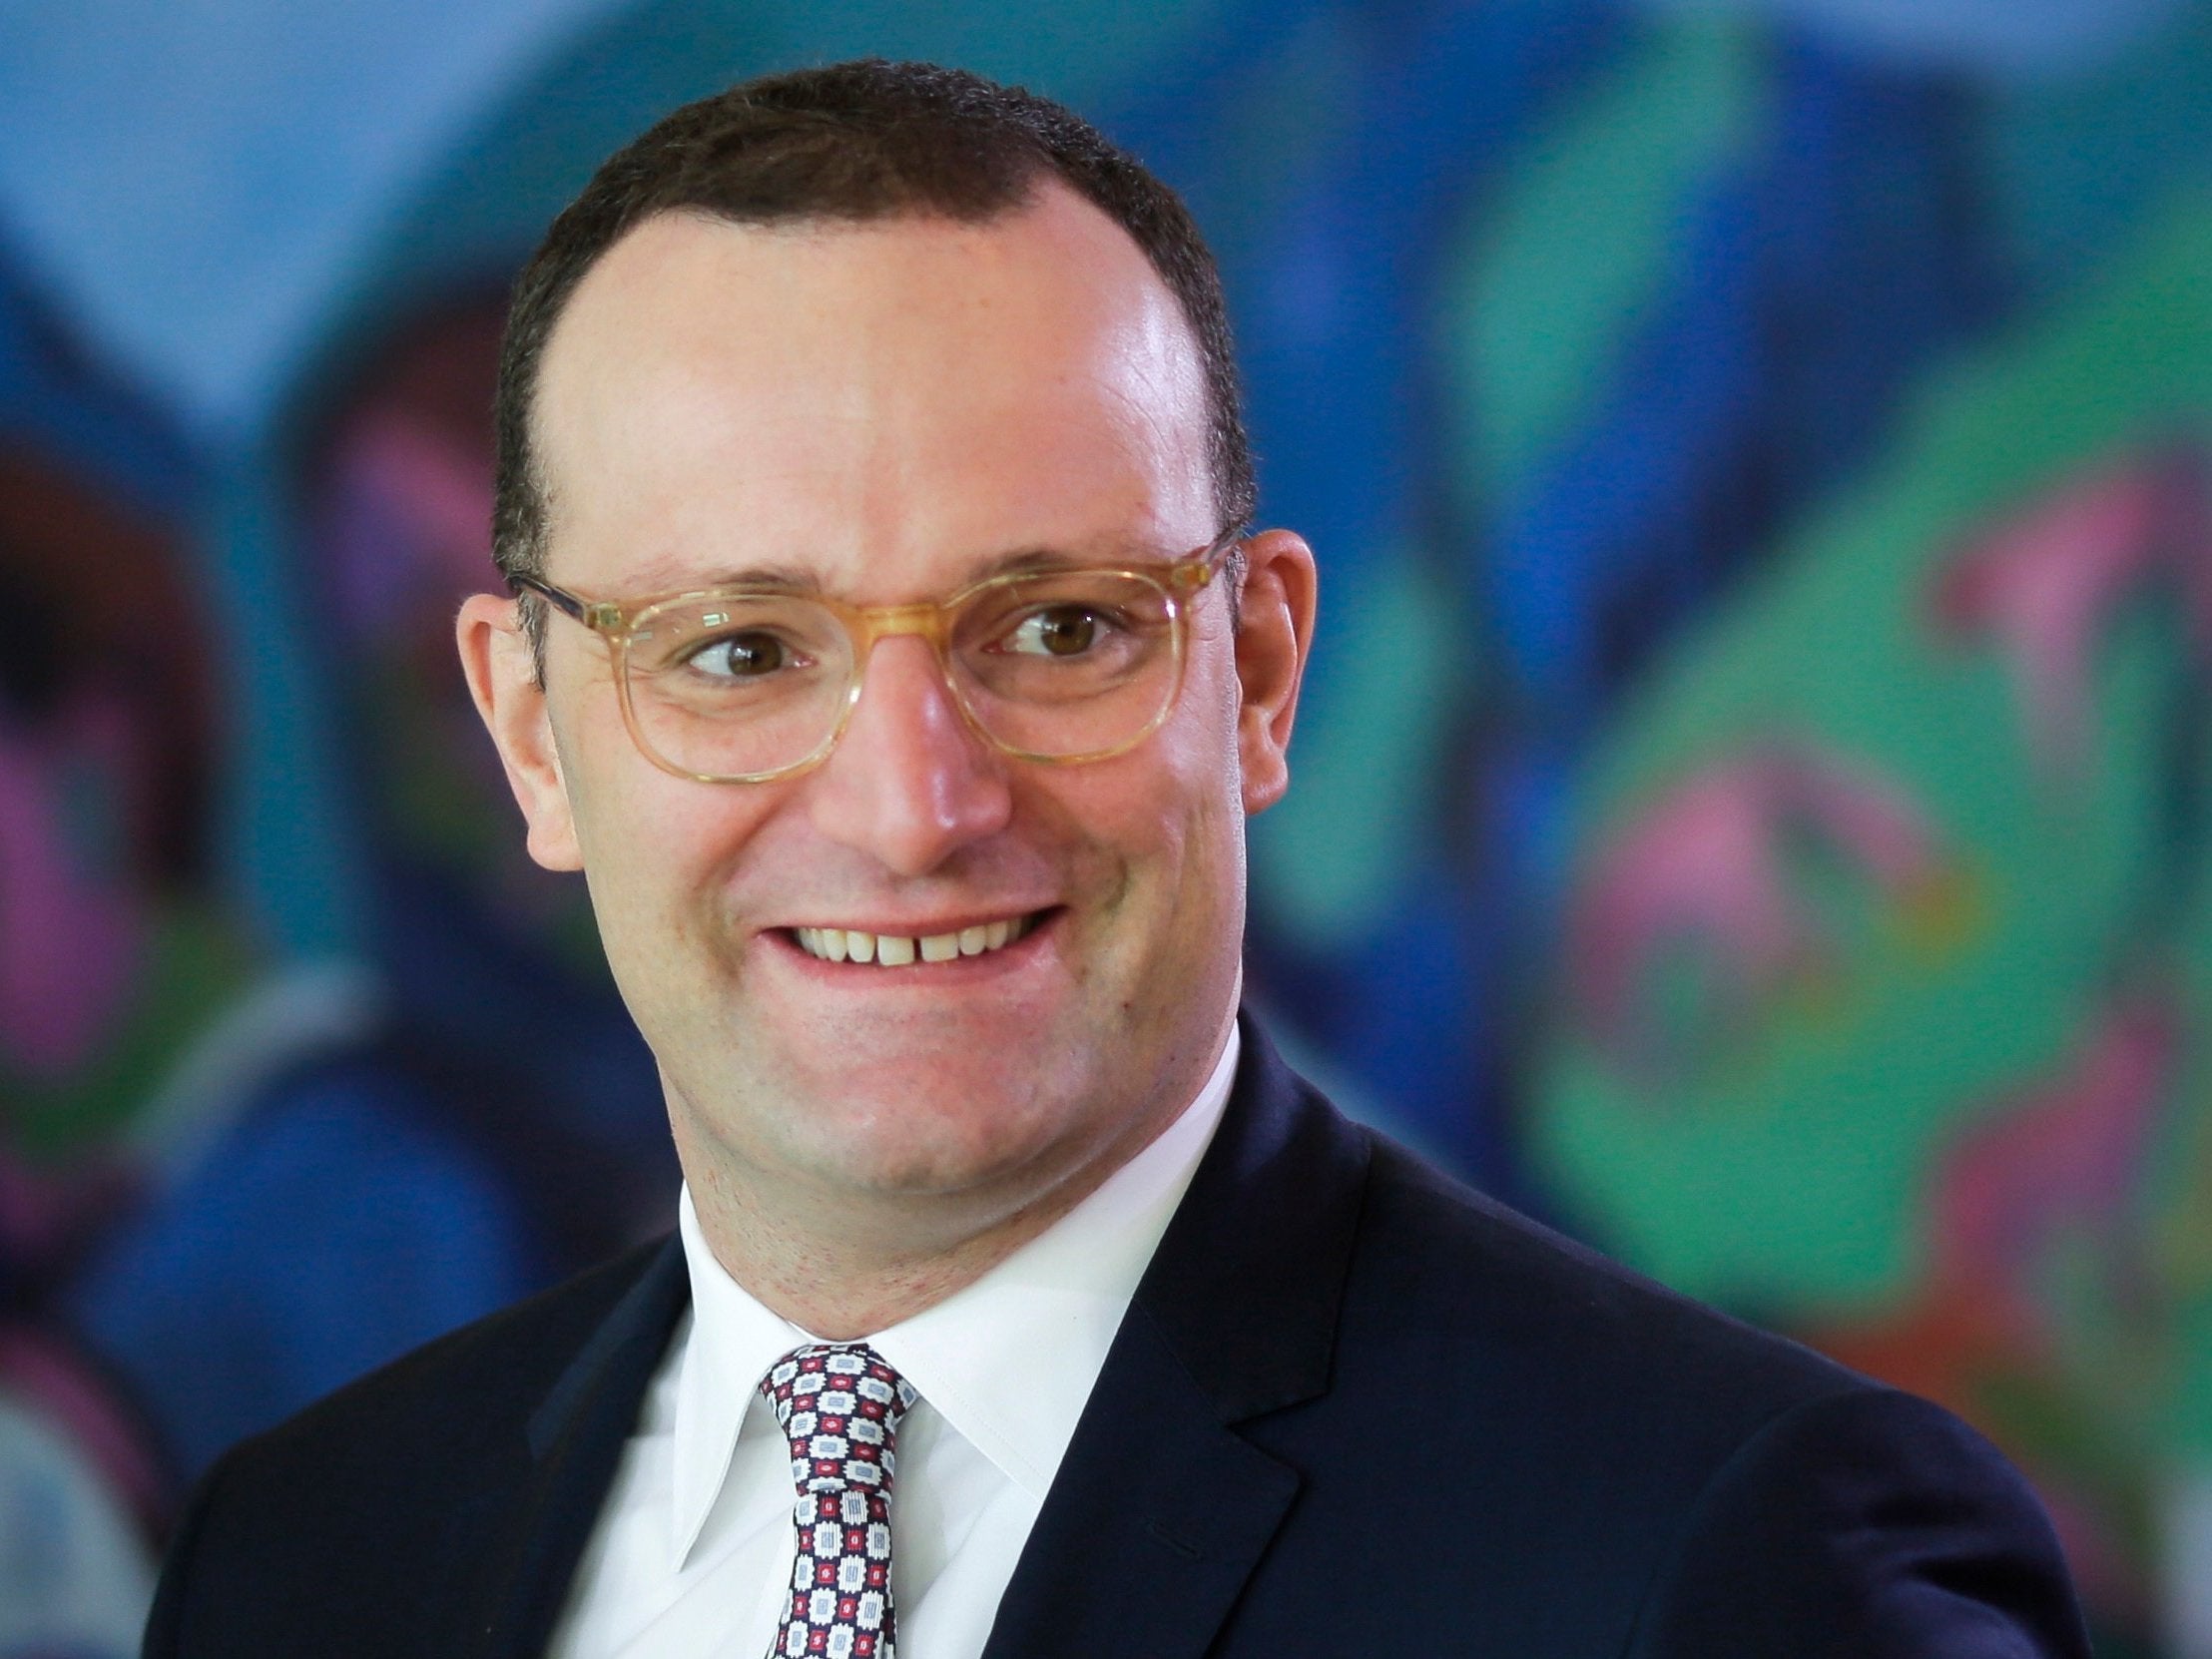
[{"x": 856, "y": 944}]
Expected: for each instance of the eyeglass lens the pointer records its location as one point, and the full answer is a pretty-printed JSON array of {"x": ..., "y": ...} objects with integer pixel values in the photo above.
[{"x": 1054, "y": 665}]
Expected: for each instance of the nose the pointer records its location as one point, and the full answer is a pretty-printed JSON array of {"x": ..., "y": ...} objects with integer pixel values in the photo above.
[{"x": 909, "y": 783}]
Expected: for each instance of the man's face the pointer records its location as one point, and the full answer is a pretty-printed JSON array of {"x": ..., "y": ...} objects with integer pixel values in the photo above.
[{"x": 890, "y": 410}]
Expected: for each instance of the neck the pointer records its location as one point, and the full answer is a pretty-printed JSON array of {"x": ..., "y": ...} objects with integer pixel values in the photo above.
[{"x": 844, "y": 1285}]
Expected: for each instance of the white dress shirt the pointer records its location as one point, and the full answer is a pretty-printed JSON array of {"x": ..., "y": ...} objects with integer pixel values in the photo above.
[{"x": 694, "y": 1548}]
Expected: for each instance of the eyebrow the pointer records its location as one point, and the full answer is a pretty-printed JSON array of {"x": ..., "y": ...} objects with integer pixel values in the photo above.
[
  {"x": 775, "y": 578},
  {"x": 653, "y": 579}
]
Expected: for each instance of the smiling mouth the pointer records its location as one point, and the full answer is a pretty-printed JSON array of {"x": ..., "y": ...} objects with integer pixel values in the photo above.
[{"x": 853, "y": 944}]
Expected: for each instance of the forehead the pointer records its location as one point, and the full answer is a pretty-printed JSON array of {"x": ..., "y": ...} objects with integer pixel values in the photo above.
[{"x": 877, "y": 404}]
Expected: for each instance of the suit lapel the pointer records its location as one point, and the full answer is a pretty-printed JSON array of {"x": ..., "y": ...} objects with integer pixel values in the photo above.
[
  {"x": 1160, "y": 1509},
  {"x": 574, "y": 1441}
]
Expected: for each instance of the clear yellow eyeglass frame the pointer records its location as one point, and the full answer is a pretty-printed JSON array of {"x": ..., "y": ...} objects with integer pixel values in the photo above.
[{"x": 617, "y": 620}]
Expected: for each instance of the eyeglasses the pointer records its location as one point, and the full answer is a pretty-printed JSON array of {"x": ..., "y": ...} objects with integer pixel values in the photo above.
[{"x": 744, "y": 685}]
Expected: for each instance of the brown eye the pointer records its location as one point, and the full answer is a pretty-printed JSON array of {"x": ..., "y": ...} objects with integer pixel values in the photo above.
[
  {"x": 741, "y": 656},
  {"x": 1065, "y": 631}
]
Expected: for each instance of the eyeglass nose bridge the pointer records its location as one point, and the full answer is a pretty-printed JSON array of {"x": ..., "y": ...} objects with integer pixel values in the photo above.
[
  {"x": 870, "y": 622},
  {"x": 925, "y": 619}
]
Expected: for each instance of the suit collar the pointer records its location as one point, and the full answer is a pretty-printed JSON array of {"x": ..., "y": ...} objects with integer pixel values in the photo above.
[
  {"x": 1161, "y": 1509},
  {"x": 624, "y": 1350},
  {"x": 575, "y": 1439},
  {"x": 1245, "y": 1285}
]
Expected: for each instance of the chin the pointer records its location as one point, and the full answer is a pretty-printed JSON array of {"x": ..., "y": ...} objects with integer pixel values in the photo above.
[
  {"x": 943, "y": 1065},
  {"x": 937, "y": 1127}
]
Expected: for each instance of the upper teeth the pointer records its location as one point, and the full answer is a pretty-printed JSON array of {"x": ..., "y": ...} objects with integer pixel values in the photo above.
[{"x": 851, "y": 944}]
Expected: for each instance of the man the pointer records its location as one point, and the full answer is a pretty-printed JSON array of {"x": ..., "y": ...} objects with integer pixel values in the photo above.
[{"x": 880, "y": 425}]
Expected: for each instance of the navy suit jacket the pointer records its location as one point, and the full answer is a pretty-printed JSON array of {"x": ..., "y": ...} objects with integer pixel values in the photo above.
[{"x": 1353, "y": 1409}]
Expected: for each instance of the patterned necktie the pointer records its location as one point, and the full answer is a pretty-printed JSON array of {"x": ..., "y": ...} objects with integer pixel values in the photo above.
[{"x": 839, "y": 1406}]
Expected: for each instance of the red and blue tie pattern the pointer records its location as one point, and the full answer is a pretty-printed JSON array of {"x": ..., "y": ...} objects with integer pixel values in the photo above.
[{"x": 841, "y": 1406}]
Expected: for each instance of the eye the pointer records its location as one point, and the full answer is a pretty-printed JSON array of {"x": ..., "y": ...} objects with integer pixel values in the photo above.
[
  {"x": 753, "y": 655},
  {"x": 1058, "y": 631}
]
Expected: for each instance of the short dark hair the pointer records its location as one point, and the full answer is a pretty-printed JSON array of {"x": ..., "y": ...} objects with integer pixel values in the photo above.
[{"x": 853, "y": 142}]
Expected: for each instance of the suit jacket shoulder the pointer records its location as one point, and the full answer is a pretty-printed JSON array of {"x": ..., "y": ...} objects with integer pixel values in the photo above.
[
  {"x": 1659, "y": 1473},
  {"x": 1603, "y": 1363}
]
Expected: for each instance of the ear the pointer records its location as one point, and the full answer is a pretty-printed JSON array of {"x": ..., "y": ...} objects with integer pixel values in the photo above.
[
  {"x": 1274, "y": 630},
  {"x": 495, "y": 656}
]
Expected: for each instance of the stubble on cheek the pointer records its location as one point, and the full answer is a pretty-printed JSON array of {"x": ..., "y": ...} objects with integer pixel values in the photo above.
[{"x": 672, "y": 955}]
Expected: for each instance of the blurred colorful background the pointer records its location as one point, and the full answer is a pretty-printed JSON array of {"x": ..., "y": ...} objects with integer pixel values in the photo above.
[{"x": 1754, "y": 800}]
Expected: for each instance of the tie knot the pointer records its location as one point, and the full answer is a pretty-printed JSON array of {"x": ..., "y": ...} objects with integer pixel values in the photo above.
[{"x": 839, "y": 1406}]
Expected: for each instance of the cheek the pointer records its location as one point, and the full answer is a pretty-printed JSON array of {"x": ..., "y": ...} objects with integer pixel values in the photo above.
[
  {"x": 1167, "y": 819},
  {"x": 1202, "y": 769},
  {"x": 657, "y": 849}
]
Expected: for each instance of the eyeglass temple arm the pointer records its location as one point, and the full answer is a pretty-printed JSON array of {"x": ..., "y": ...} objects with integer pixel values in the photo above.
[
  {"x": 560, "y": 598},
  {"x": 1194, "y": 572}
]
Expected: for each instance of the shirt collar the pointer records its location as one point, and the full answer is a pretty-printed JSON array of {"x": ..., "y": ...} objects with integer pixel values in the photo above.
[{"x": 1008, "y": 1361}]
